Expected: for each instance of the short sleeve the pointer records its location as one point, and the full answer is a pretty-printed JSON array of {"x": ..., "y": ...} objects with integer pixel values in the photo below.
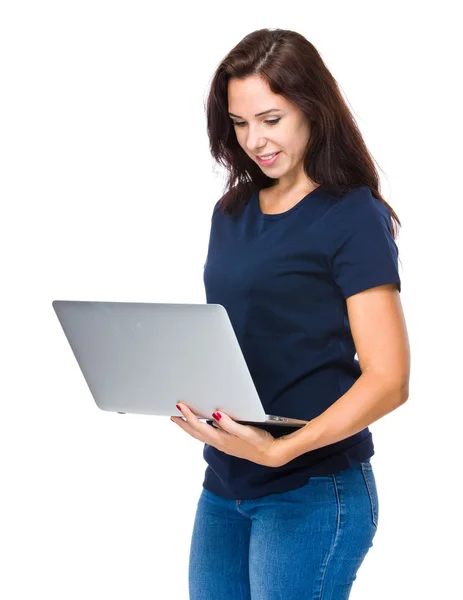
[{"x": 362, "y": 250}]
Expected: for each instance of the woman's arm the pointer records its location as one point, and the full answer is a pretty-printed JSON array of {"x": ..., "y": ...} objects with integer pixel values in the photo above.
[{"x": 381, "y": 341}]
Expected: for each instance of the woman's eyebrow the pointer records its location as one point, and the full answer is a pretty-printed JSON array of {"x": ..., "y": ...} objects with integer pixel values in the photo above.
[{"x": 258, "y": 114}]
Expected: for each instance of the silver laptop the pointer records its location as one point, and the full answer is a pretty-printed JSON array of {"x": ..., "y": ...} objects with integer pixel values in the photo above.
[{"x": 145, "y": 357}]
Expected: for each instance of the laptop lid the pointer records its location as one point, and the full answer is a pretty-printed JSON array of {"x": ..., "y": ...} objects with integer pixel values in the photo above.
[{"x": 145, "y": 357}]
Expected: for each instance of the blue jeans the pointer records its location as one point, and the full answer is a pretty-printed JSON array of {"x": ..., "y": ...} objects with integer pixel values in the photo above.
[{"x": 305, "y": 544}]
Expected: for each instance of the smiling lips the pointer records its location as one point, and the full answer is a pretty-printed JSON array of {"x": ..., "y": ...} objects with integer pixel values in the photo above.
[{"x": 268, "y": 162}]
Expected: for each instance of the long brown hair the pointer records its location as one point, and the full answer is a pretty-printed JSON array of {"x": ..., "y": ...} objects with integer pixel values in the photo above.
[{"x": 336, "y": 156}]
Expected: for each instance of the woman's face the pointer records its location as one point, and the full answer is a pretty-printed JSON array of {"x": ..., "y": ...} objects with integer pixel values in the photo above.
[{"x": 285, "y": 130}]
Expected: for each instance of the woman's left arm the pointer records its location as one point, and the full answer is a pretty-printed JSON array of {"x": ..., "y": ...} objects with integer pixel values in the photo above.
[{"x": 381, "y": 341}]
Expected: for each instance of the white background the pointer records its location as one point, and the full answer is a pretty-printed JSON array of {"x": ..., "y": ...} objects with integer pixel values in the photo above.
[{"x": 107, "y": 189}]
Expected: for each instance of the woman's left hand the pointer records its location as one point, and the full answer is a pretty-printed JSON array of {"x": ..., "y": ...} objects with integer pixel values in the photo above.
[{"x": 243, "y": 441}]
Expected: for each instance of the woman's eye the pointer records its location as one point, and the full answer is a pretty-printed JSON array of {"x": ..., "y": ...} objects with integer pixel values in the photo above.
[{"x": 269, "y": 121}]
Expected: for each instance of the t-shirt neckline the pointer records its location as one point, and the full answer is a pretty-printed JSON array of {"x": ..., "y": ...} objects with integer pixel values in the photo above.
[{"x": 286, "y": 212}]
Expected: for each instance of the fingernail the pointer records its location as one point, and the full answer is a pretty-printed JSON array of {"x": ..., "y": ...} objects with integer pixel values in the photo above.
[
  {"x": 178, "y": 407},
  {"x": 217, "y": 416}
]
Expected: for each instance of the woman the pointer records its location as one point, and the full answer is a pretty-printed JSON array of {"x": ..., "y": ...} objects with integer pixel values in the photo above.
[{"x": 302, "y": 255}]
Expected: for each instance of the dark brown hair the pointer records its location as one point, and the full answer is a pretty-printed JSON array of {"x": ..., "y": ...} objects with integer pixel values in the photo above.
[{"x": 336, "y": 156}]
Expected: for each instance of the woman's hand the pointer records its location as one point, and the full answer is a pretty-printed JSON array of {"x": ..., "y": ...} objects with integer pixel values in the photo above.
[{"x": 243, "y": 441}]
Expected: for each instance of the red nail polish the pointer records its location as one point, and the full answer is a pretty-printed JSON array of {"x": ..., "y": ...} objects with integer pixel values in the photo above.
[
  {"x": 217, "y": 416},
  {"x": 178, "y": 407}
]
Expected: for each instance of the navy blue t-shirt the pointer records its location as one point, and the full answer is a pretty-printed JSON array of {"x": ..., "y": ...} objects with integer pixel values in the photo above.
[{"x": 284, "y": 279}]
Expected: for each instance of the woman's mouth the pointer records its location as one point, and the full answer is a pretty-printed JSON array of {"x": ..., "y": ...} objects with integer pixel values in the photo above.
[{"x": 268, "y": 161}]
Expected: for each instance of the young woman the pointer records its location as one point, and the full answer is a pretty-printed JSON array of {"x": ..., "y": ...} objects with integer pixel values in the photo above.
[{"x": 302, "y": 255}]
